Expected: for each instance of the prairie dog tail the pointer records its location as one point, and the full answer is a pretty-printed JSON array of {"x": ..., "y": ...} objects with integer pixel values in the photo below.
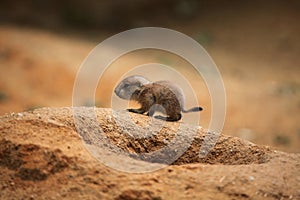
[{"x": 194, "y": 109}]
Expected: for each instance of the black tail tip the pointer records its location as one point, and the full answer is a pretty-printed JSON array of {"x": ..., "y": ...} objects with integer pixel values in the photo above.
[
  {"x": 199, "y": 108},
  {"x": 195, "y": 109}
]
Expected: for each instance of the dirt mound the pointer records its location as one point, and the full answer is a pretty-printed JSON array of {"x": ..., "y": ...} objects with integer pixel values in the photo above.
[
  {"x": 42, "y": 157},
  {"x": 139, "y": 143}
]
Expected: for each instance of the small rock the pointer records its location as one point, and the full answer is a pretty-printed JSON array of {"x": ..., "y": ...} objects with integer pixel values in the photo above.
[{"x": 222, "y": 179}]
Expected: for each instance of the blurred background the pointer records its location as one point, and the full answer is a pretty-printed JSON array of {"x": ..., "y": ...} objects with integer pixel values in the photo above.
[{"x": 255, "y": 44}]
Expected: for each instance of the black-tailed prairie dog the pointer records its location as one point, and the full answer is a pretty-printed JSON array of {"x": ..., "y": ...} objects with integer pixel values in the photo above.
[{"x": 163, "y": 96}]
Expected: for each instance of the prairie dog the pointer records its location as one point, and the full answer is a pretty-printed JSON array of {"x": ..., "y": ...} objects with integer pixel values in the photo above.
[{"x": 163, "y": 96}]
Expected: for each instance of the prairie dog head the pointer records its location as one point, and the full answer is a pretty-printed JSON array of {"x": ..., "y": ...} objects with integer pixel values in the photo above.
[{"x": 129, "y": 85}]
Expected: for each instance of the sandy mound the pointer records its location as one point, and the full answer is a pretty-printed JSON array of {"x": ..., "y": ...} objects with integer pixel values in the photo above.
[{"x": 43, "y": 157}]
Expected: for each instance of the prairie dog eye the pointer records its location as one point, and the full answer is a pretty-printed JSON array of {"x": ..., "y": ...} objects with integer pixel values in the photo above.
[{"x": 126, "y": 85}]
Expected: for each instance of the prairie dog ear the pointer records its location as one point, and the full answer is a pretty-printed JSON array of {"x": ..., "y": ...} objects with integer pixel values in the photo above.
[{"x": 140, "y": 84}]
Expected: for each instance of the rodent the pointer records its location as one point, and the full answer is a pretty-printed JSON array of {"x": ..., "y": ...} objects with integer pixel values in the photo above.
[{"x": 154, "y": 96}]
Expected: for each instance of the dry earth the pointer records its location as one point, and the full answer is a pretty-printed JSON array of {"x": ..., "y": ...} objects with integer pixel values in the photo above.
[
  {"x": 43, "y": 157},
  {"x": 256, "y": 47}
]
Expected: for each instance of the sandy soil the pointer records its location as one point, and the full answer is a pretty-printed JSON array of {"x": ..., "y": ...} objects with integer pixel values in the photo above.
[
  {"x": 41, "y": 149},
  {"x": 256, "y": 47}
]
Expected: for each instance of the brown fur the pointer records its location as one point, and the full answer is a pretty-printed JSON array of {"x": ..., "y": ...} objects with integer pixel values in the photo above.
[
  {"x": 152, "y": 96},
  {"x": 162, "y": 96}
]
